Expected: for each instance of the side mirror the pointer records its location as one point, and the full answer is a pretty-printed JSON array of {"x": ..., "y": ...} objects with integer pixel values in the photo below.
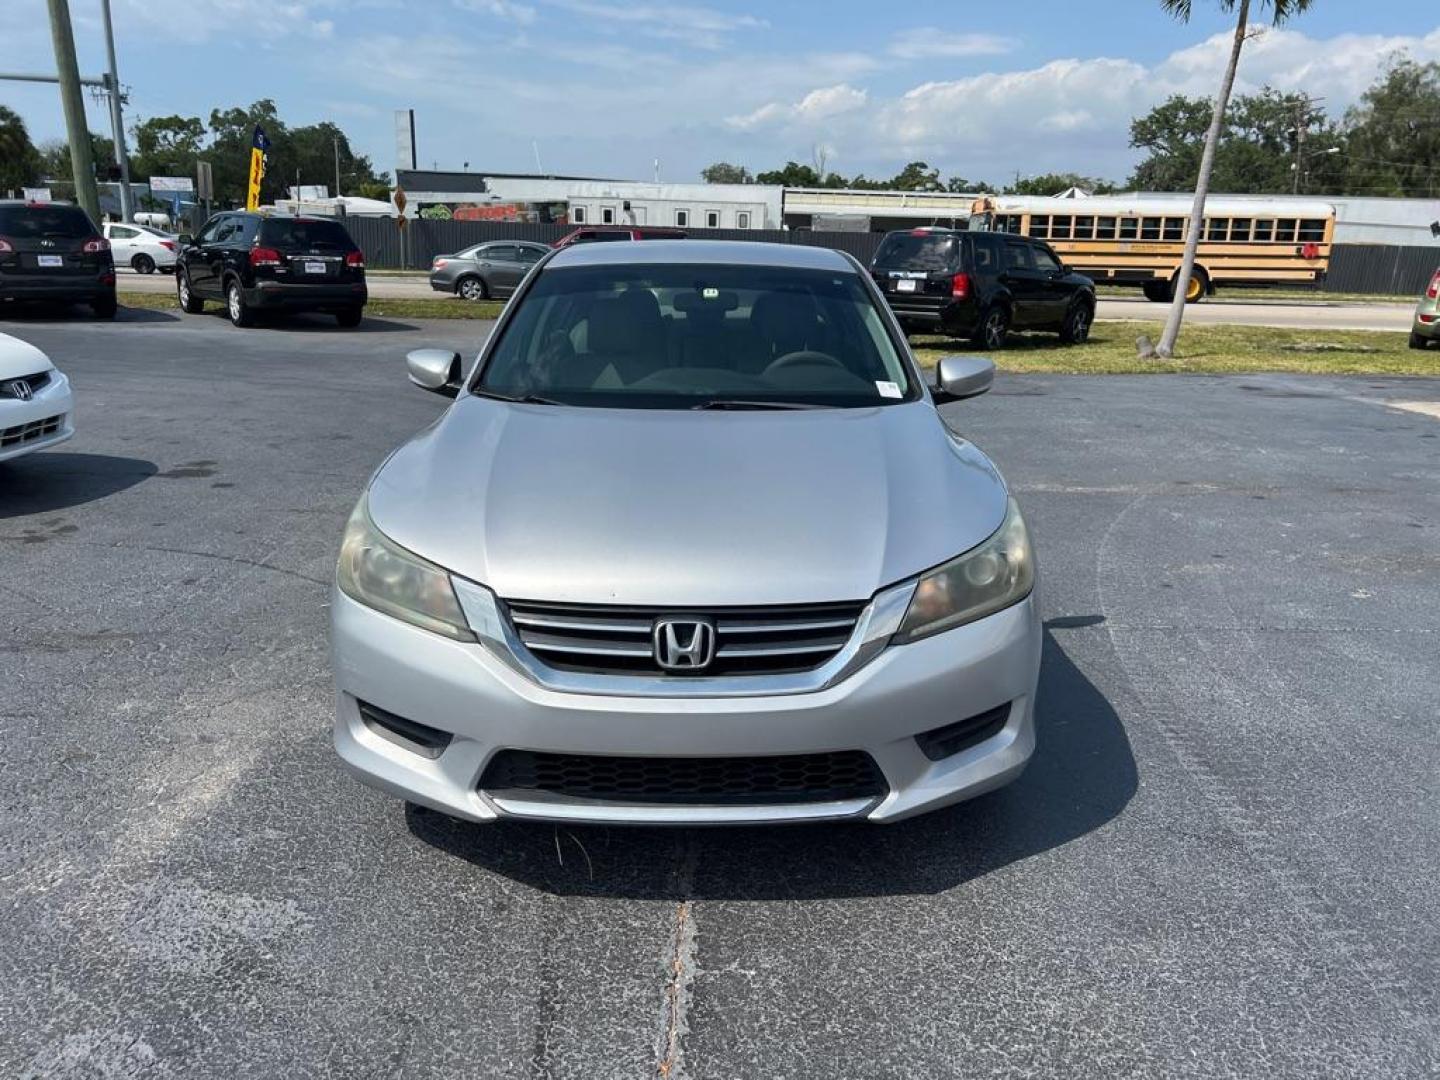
[
  {"x": 958, "y": 377},
  {"x": 436, "y": 370},
  {"x": 185, "y": 239}
]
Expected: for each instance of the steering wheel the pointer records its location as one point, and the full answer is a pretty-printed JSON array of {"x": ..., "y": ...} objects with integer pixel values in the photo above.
[{"x": 805, "y": 358}]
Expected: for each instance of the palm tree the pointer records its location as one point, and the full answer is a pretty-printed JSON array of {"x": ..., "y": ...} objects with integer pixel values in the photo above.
[{"x": 1280, "y": 11}]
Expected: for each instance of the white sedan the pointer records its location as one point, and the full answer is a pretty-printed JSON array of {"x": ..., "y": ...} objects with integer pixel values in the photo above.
[
  {"x": 140, "y": 247},
  {"x": 36, "y": 408}
]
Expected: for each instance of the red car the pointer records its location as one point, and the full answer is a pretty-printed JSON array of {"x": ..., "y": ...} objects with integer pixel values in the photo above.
[{"x": 590, "y": 234}]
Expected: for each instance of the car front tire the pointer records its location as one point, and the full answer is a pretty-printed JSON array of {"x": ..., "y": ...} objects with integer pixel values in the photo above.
[
  {"x": 235, "y": 305},
  {"x": 189, "y": 302},
  {"x": 1076, "y": 328}
]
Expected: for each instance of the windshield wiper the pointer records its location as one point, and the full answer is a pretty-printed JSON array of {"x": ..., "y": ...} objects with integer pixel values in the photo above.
[
  {"x": 521, "y": 399},
  {"x": 741, "y": 403}
]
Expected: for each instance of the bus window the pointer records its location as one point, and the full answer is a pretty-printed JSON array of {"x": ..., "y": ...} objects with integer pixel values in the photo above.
[
  {"x": 1060, "y": 227},
  {"x": 1040, "y": 226},
  {"x": 1312, "y": 230},
  {"x": 1285, "y": 231},
  {"x": 1085, "y": 228},
  {"x": 1128, "y": 228},
  {"x": 1240, "y": 229},
  {"x": 1150, "y": 228},
  {"x": 1105, "y": 228},
  {"x": 1264, "y": 231},
  {"x": 1216, "y": 228},
  {"x": 1174, "y": 228}
]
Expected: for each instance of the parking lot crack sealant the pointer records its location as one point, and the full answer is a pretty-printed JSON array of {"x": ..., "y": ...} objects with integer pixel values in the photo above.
[{"x": 680, "y": 971}]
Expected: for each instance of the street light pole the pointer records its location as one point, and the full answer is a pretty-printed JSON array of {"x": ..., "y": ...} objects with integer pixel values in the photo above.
[
  {"x": 117, "y": 121},
  {"x": 82, "y": 161}
]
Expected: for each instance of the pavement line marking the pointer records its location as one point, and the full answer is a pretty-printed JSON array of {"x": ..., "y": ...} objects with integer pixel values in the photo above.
[{"x": 1424, "y": 408}]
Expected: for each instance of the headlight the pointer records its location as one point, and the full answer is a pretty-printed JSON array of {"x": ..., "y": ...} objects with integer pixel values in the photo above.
[
  {"x": 994, "y": 575},
  {"x": 379, "y": 573}
]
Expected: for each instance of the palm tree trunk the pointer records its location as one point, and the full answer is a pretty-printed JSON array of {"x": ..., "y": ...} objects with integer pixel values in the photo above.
[{"x": 1202, "y": 188}]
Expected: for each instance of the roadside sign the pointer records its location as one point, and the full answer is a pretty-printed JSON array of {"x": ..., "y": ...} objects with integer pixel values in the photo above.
[
  {"x": 204, "y": 180},
  {"x": 36, "y": 194},
  {"x": 171, "y": 183},
  {"x": 399, "y": 198}
]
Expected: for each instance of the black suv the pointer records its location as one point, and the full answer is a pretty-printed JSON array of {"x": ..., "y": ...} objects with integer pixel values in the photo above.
[
  {"x": 257, "y": 262},
  {"x": 981, "y": 285},
  {"x": 53, "y": 251}
]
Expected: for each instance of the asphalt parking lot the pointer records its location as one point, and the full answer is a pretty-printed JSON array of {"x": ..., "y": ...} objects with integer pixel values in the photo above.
[{"x": 1222, "y": 861}]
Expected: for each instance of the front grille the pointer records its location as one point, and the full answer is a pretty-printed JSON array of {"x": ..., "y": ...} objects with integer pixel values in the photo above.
[
  {"x": 793, "y": 778},
  {"x": 35, "y": 382},
  {"x": 618, "y": 640},
  {"x": 24, "y": 433}
]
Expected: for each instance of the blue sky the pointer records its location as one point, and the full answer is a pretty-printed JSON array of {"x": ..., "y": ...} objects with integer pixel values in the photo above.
[{"x": 605, "y": 87}]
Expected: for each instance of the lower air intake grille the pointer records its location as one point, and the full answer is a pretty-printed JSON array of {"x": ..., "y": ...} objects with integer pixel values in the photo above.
[
  {"x": 24, "y": 433},
  {"x": 795, "y": 778}
]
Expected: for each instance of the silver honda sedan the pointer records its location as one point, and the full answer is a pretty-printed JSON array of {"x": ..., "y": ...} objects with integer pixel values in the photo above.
[{"x": 691, "y": 545}]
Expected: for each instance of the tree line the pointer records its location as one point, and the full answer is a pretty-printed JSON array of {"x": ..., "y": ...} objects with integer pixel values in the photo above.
[
  {"x": 1387, "y": 144},
  {"x": 172, "y": 146}
]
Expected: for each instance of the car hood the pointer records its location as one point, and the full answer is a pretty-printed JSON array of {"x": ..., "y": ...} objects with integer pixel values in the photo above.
[
  {"x": 661, "y": 507},
  {"x": 19, "y": 358}
]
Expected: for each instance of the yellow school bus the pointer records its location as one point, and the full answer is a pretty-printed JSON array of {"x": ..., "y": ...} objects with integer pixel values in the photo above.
[{"x": 1123, "y": 240}]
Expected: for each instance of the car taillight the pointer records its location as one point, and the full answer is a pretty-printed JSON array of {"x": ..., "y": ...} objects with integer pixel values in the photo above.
[
  {"x": 94, "y": 247},
  {"x": 1432, "y": 292},
  {"x": 960, "y": 286},
  {"x": 168, "y": 245},
  {"x": 6, "y": 248},
  {"x": 438, "y": 264},
  {"x": 355, "y": 259},
  {"x": 263, "y": 256}
]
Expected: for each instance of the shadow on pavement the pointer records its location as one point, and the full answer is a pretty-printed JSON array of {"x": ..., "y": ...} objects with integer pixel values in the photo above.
[
  {"x": 1081, "y": 777},
  {"x": 311, "y": 322},
  {"x": 51, "y": 312},
  {"x": 50, "y": 480}
]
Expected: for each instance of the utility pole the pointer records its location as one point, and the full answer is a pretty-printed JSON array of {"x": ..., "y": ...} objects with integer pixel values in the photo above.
[
  {"x": 117, "y": 121},
  {"x": 82, "y": 162},
  {"x": 1303, "y": 104},
  {"x": 336, "y": 139}
]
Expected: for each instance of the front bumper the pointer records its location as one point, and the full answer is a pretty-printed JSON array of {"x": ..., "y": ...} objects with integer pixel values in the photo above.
[
  {"x": 46, "y": 420},
  {"x": 464, "y": 690},
  {"x": 275, "y": 295}
]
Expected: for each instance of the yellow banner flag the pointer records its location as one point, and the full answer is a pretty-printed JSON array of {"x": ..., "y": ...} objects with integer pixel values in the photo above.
[{"x": 258, "y": 145}]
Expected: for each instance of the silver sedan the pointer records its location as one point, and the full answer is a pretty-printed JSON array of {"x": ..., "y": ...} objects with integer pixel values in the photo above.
[
  {"x": 692, "y": 545},
  {"x": 492, "y": 270}
]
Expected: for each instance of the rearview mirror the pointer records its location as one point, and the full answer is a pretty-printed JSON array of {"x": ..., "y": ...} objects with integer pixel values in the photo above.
[
  {"x": 958, "y": 377},
  {"x": 436, "y": 370}
]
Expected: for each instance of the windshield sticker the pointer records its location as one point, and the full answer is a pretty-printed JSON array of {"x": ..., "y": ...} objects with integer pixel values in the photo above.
[{"x": 887, "y": 389}]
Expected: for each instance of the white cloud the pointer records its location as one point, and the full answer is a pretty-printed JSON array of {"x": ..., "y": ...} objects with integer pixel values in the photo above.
[
  {"x": 822, "y": 104},
  {"x": 927, "y": 42},
  {"x": 201, "y": 20},
  {"x": 523, "y": 14},
  {"x": 699, "y": 27}
]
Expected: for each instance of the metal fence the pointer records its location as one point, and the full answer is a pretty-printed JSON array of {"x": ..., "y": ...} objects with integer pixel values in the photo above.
[
  {"x": 1359, "y": 268},
  {"x": 1366, "y": 268},
  {"x": 424, "y": 239}
]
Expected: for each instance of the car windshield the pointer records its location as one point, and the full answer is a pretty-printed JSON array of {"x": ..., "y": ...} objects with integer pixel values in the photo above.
[
  {"x": 50, "y": 222},
  {"x": 698, "y": 336},
  {"x": 288, "y": 233},
  {"x": 919, "y": 251}
]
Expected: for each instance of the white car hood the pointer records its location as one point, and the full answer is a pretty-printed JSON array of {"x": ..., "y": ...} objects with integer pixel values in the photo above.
[{"x": 19, "y": 358}]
